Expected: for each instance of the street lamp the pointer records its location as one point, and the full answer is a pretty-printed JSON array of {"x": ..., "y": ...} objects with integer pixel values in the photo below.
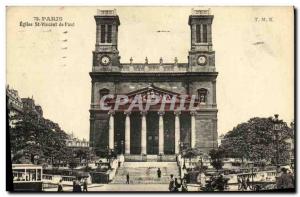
[
  {"x": 201, "y": 162},
  {"x": 277, "y": 125},
  {"x": 115, "y": 147},
  {"x": 181, "y": 147},
  {"x": 109, "y": 154},
  {"x": 182, "y": 152},
  {"x": 252, "y": 175}
]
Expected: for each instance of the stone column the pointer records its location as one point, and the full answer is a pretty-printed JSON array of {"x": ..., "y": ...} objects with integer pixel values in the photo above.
[
  {"x": 161, "y": 133},
  {"x": 127, "y": 133},
  {"x": 98, "y": 32},
  {"x": 177, "y": 132},
  {"x": 193, "y": 129},
  {"x": 143, "y": 133},
  {"x": 111, "y": 130}
]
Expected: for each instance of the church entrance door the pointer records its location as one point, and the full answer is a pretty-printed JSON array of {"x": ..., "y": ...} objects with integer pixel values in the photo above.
[
  {"x": 152, "y": 144},
  {"x": 152, "y": 133}
]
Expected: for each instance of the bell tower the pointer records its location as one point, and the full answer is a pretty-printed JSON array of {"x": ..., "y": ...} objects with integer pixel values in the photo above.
[
  {"x": 201, "y": 55},
  {"x": 106, "y": 55}
]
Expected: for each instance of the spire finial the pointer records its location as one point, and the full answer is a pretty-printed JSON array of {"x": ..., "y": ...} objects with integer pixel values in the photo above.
[{"x": 161, "y": 60}]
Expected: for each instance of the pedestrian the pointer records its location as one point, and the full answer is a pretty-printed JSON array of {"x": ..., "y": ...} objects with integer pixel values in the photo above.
[
  {"x": 292, "y": 178},
  {"x": 74, "y": 185},
  {"x": 177, "y": 185},
  {"x": 201, "y": 179},
  {"x": 248, "y": 183},
  {"x": 127, "y": 178},
  {"x": 239, "y": 183},
  {"x": 284, "y": 181},
  {"x": 85, "y": 185},
  {"x": 77, "y": 186},
  {"x": 171, "y": 183},
  {"x": 184, "y": 186},
  {"x": 60, "y": 186},
  {"x": 220, "y": 183},
  {"x": 244, "y": 184},
  {"x": 158, "y": 173}
]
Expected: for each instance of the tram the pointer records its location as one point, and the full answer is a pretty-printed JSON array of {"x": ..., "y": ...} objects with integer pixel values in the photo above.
[{"x": 27, "y": 177}]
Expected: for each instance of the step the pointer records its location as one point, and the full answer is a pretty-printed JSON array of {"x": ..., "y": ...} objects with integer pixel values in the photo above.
[
  {"x": 150, "y": 164},
  {"x": 143, "y": 172},
  {"x": 150, "y": 158},
  {"x": 143, "y": 181},
  {"x": 146, "y": 172}
]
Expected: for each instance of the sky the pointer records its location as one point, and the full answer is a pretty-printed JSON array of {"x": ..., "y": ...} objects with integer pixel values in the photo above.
[{"x": 254, "y": 58}]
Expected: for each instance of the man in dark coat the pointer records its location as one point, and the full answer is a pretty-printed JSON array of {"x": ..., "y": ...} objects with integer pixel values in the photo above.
[
  {"x": 77, "y": 186},
  {"x": 183, "y": 186},
  {"x": 158, "y": 173},
  {"x": 171, "y": 184},
  {"x": 85, "y": 185},
  {"x": 127, "y": 178},
  {"x": 60, "y": 187},
  {"x": 177, "y": 185},
  {"x": 74, "y": 185}
]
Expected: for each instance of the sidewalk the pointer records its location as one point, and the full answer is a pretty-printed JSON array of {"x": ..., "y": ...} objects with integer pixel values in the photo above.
[
  {"x": 133, "y": 187},
  {"x": 67, "y": 188}
]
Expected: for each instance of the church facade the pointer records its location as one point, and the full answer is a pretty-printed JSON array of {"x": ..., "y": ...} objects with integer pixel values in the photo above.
[{"x": 155, "y": 130}]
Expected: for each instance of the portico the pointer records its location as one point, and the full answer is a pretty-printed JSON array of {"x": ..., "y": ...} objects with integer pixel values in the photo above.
[{"x": 145, "y": 132}]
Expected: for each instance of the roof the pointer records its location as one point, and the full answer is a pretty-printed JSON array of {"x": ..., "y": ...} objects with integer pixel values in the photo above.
[{"x": 23, "y": 166}]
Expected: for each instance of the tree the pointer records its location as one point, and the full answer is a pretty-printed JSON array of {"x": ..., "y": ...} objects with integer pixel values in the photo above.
[
  {"x": 216, "y": 157},
  {"x": 254, "y": 140},
  {"x": 34, "y": 139},
  {"x": 82, "y": 153},
  {"x": 190, "y": 153}
]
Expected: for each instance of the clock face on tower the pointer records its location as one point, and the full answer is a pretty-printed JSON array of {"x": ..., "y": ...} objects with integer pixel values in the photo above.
[
  {"x": 202, "y": 59},
  {"x": 105, "y": 60}
]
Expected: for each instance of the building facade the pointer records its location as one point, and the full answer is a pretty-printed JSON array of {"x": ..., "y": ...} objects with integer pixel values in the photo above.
[
  {"x": 157, "y": 130},
  {"x": 14, "y": 104},
  {"x": 74, "y": 142}
]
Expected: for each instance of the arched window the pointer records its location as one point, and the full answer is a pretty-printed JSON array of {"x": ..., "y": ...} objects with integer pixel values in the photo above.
[
  {"x": 103, "y": 92},
  {"x": 202, "y": 95}
]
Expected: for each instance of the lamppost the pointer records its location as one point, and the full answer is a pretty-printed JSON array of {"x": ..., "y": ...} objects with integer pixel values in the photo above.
[
  {"x": 181, "y": 147},
  {"x": 201, "y": 162},
  {"x": 115, "y": 148},
  {"x": 182, "y": 152},
  {"x": 109, "y": 154},
  {"x": 252, "y": 175},
  {"x": 277, "y": 125}
]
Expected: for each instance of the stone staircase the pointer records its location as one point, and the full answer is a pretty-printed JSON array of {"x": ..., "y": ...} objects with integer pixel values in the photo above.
[{"x": 146, "y": 172}]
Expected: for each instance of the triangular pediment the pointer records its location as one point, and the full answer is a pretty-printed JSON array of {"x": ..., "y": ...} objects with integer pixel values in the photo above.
[
  {"x": 152, "y": 90},
  {"x": 142, "y": 97}
]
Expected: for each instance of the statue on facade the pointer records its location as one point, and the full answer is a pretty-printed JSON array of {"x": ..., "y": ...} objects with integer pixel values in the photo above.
[
  {"x": 161, "y": 60},
  {"x": 175, "y": 60}
]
